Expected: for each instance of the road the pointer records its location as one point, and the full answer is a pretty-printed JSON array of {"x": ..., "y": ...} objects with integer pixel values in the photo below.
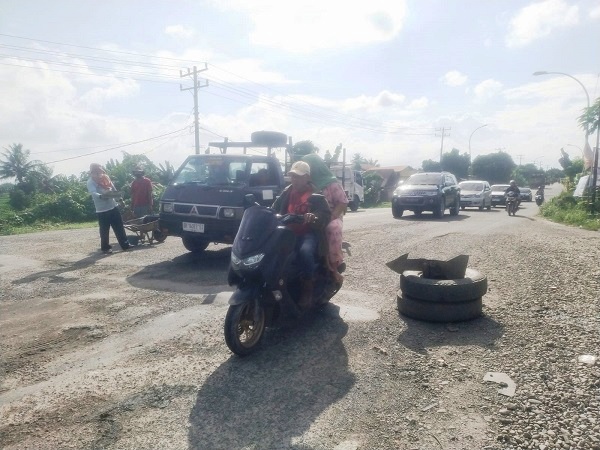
[{"x": 127, "y": 350}]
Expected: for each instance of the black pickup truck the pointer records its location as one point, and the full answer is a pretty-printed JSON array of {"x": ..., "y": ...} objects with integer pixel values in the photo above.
[{"x": 207, "y": 197}]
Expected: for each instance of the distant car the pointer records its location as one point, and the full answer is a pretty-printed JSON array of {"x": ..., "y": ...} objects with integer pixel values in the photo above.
[
  {"x": 427, "y": 191},
  {"x": 475, "y": 193},
  {"x": 526, "y": 194},
  {"x": 498, "y": 197}
]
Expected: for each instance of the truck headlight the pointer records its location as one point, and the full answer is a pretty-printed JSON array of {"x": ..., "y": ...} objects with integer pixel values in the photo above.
[
  {"x": 228, "y": 213},
  {"x": 167, "y": 207}
]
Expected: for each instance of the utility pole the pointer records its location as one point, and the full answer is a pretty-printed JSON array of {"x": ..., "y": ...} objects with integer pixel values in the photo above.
[
  {"x": 443, "y": 133},
  {"x": 195, "y": 87},
  {"x": 520, "y": 157}
]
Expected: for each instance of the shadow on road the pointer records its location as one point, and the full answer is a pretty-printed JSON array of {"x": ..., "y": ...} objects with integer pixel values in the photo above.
[
  {"x": 188, "y": 273},
  {"x": 430, "y": 217},
  {"x": 418, "y": 336},
  {"x": 266, "y": 399},
  {"x": 63, "y": 267}
]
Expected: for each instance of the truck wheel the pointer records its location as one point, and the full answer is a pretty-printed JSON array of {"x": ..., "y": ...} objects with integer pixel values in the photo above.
[
  {"x": 269, "y": 138},
  {"x": 353, "y": 205},
  {"x": 194, "y": 244},
  {"x": 439, "y": 311},
  {"x": 472, "y": 286}
]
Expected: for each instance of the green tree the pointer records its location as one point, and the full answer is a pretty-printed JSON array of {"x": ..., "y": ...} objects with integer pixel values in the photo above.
[
  {"x": 429, "y": 165},
  {"x": 15, "y": 163},
  {"x": 590, "y": 119},
  {"x": 494, "y": 167},
  {"x": 570, "y": 167},
  {"x": 527, "y": 174},
  {"x": 554, "y": 175},
  {"x": 456, "y": 163},
  {"x": 302, "y": 148}
]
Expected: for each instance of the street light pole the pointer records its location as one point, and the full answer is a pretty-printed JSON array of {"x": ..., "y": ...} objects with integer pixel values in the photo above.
[
  {"x": 478, "y": 128},
  {"x": 587, "y": 131},
  {"x": 543, "y": 72}
]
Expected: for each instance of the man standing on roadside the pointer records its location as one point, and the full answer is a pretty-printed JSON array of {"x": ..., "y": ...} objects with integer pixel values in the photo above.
[
  {"x": 104, "y": 193},
  {"x": 141, "y": 194}
]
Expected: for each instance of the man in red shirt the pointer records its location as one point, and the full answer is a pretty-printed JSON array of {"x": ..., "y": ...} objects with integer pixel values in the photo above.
[{"x": 141, "y": 194}]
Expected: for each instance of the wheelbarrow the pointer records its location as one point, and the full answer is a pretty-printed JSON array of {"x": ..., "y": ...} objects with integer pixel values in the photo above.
[{"x": 146, "y": 229}]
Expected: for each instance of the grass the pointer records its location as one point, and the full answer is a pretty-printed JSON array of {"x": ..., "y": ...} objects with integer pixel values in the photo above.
[
  {"x": 567, "y": 210},
  {"x": 46, "y": 226}
]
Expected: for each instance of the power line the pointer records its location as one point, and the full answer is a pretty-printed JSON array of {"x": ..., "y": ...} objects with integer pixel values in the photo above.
[{"x": 118, "y": 146}]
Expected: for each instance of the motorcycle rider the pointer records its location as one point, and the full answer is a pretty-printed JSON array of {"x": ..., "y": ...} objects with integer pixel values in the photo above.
[
  {"x": 540, "y": 191},
  {"x": 514, "y": 188},
  {"x": 311, "y": 242}
]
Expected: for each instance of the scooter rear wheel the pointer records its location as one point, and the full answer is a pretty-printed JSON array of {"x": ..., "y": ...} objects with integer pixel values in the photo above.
[{"x": 244, "y": 327}]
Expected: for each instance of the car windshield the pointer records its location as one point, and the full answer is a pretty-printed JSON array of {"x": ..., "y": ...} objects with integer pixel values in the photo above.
[
  {"x": 471, "y": 186},
  {"x": 500, "y": 187},
  {"x": 212, "y": 171},
  {"x": 425, "y": 178},
  {"x": 525, "y": 189}
]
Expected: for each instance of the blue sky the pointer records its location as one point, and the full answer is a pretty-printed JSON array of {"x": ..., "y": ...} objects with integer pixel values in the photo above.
[{"x": 84, "y": 81}]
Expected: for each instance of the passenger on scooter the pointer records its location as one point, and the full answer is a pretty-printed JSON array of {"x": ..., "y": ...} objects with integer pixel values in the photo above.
[
  {"x": 328, "y": 185},
  {"x": 311, "y": 242}
]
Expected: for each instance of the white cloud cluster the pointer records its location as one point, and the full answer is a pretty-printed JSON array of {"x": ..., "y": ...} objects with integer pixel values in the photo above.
[
  {"x": 303, "y": 26},
  {"x": 539, "y": 20},
  {"x": 487, "y": 89},
  {"x": 595, "y": 13},
  {"x": 454, "y": 78},
  {"x": 179, "y": 31}
]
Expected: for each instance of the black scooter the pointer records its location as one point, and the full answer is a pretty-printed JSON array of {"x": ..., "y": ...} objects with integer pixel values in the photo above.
[
  {"x": 539, "y": 197},
  {"x": 264, "y": 270}
]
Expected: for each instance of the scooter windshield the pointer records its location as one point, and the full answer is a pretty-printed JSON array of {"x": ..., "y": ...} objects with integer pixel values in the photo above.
[{"x": 256, "y": 227}]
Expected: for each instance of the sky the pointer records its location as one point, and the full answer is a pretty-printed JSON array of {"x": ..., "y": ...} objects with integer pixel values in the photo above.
[{"x": 396, "y": 81}]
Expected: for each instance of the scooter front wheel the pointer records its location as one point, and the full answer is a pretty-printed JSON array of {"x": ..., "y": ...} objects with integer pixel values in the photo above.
[{"x": 244, "y": 327}]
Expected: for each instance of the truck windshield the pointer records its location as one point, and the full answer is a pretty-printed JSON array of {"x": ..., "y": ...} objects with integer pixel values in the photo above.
[{"x": 212, "y": 171}]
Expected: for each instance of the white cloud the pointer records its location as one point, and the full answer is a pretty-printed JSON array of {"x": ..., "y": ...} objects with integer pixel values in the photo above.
[
  {"x": 419, "y": 103},
  {"x": 114, "y": 89},
  {"x": 539, "y": 20},
  {"x": 304, "y": 26},
  {"x": 487, "y": 89},
  {"x": 454, "y": 78},
  {"x": 595, "y": 13},
  {"x": 179, "y": 31}
]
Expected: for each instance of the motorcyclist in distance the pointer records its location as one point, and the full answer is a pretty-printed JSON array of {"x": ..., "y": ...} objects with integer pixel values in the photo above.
[{"x": 514, "y": 188}]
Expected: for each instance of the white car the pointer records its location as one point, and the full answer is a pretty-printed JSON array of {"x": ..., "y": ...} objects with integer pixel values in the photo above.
[{"x": 475, "y": 194}]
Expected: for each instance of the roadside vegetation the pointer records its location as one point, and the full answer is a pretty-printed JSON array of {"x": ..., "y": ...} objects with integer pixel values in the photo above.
[{"x": 37, "y": 200}]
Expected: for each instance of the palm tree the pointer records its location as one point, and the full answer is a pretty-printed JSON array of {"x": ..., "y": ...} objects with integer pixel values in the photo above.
[{"x": 16, "y": 163}]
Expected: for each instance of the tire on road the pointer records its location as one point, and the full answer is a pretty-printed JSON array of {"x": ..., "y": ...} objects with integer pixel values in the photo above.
[
  {"x": 269, "y": 138},
  {"x": 472, "y": 286},
  {"x": 397, "y": 211},
  {"x": 439, "y": 311}
]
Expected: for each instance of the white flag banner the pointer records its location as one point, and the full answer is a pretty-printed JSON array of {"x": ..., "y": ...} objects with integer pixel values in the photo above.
[{"x": 588, "y": 155}]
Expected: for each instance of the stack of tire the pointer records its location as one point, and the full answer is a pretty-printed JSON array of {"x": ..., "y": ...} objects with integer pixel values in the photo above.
[{"x": 435, "y": 300}]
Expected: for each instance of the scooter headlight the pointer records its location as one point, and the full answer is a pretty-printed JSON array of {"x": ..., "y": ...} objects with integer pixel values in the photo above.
[{"x": 251, "y": 262}]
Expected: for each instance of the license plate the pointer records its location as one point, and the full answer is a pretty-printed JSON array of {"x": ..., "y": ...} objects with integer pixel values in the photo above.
[
  {"x": 193, "y": 227},
  {"x": 410, "y": 200}
]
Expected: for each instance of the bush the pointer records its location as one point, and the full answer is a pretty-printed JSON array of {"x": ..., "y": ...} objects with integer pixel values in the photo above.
[
  {"x": 566, "y": 209},
  {"x": 19, "y": 200}
]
